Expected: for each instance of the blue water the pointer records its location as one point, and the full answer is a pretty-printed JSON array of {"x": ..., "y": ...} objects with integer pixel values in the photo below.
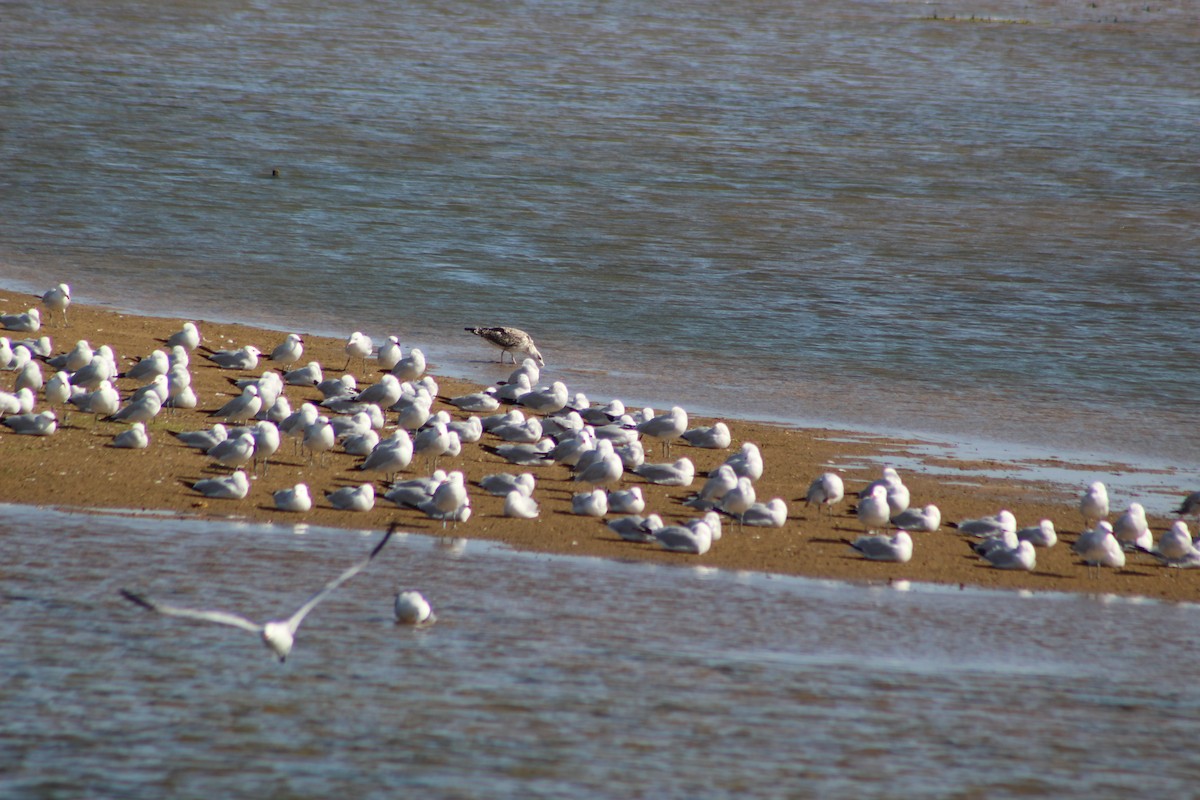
[
  {"x": 824, "y": 212},
  {"x": 845, "y": 213},
  {"x": 551, "y": 676}
]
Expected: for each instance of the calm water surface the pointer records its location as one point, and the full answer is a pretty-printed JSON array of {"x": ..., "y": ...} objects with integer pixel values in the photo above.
[
  {"x": 554, "y": 676},
  {"x": 853, "y": 212},
  {"x": 848, "y": 212}
]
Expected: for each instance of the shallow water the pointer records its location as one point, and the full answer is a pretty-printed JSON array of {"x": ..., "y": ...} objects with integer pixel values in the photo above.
[
  {"x": 551, "y": 676},
  {"x": 856, "y": 213}
]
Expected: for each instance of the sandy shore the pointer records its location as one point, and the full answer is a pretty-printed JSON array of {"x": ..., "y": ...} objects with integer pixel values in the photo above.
[{"x": 76, "y": 469}]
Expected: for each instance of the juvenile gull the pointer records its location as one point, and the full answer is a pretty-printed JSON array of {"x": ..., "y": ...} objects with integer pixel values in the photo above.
[
  {"x": 278, "y": 635},
  {"x": 510, "y": 341},
  {"x": 411, "y": 608}
]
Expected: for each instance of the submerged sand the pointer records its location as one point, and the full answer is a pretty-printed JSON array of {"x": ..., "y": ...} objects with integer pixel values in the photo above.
[{"x": 77, "y": 469}]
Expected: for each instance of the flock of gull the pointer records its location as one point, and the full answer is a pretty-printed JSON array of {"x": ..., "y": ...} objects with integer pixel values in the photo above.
[{"x": 600, "y": 443}]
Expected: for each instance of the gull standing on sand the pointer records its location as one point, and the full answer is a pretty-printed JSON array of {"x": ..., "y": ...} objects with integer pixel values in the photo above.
[
  {"x": 873, "y": 511},
  {"x": 449, "y": 499},
  {"x": 288, "y": 352},
  {"x": 319, "y": 438},
  {"x": 411, "y": 608},
  {"x": 245, "y": 358},
  {"x": 1093, "y": 505},
  {"x": 826, "y": 491},
  {"x": 357, "y": 346},
  {"x": 278, "y": 635},
  {"x": 234, "y": 452},
  {"x": 738, "y": 500},
  {"x": 227, "y": 487},
  {"x": 667, "y": 427},
  {"x": 1098, "y": 547},
  {"x": 148, "y": 368},
  {"x": 510, "y": 341},
  {"x": 297, "y": 498},
  {"x": 898, "y": 548},
  {"x": 391, "y": 455},
  {"x": 390, "y": 353},
  {"x": 242, "y": 408},
  {"x": 57, "y": 300},
  {"x": 1132, "y": 530},
  {"x": 410, "y": 367},
  {"x": 103, "y": 402},
  {"x": 720, "y": 481}
]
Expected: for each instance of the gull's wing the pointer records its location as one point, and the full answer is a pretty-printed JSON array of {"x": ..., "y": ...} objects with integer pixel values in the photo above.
[
  {"x": 293, "y": 622},
  {"x": 193, "y": 613}
]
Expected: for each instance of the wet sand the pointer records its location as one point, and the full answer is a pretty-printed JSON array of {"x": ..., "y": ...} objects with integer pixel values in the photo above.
[{"x": 76, "y": 469}]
